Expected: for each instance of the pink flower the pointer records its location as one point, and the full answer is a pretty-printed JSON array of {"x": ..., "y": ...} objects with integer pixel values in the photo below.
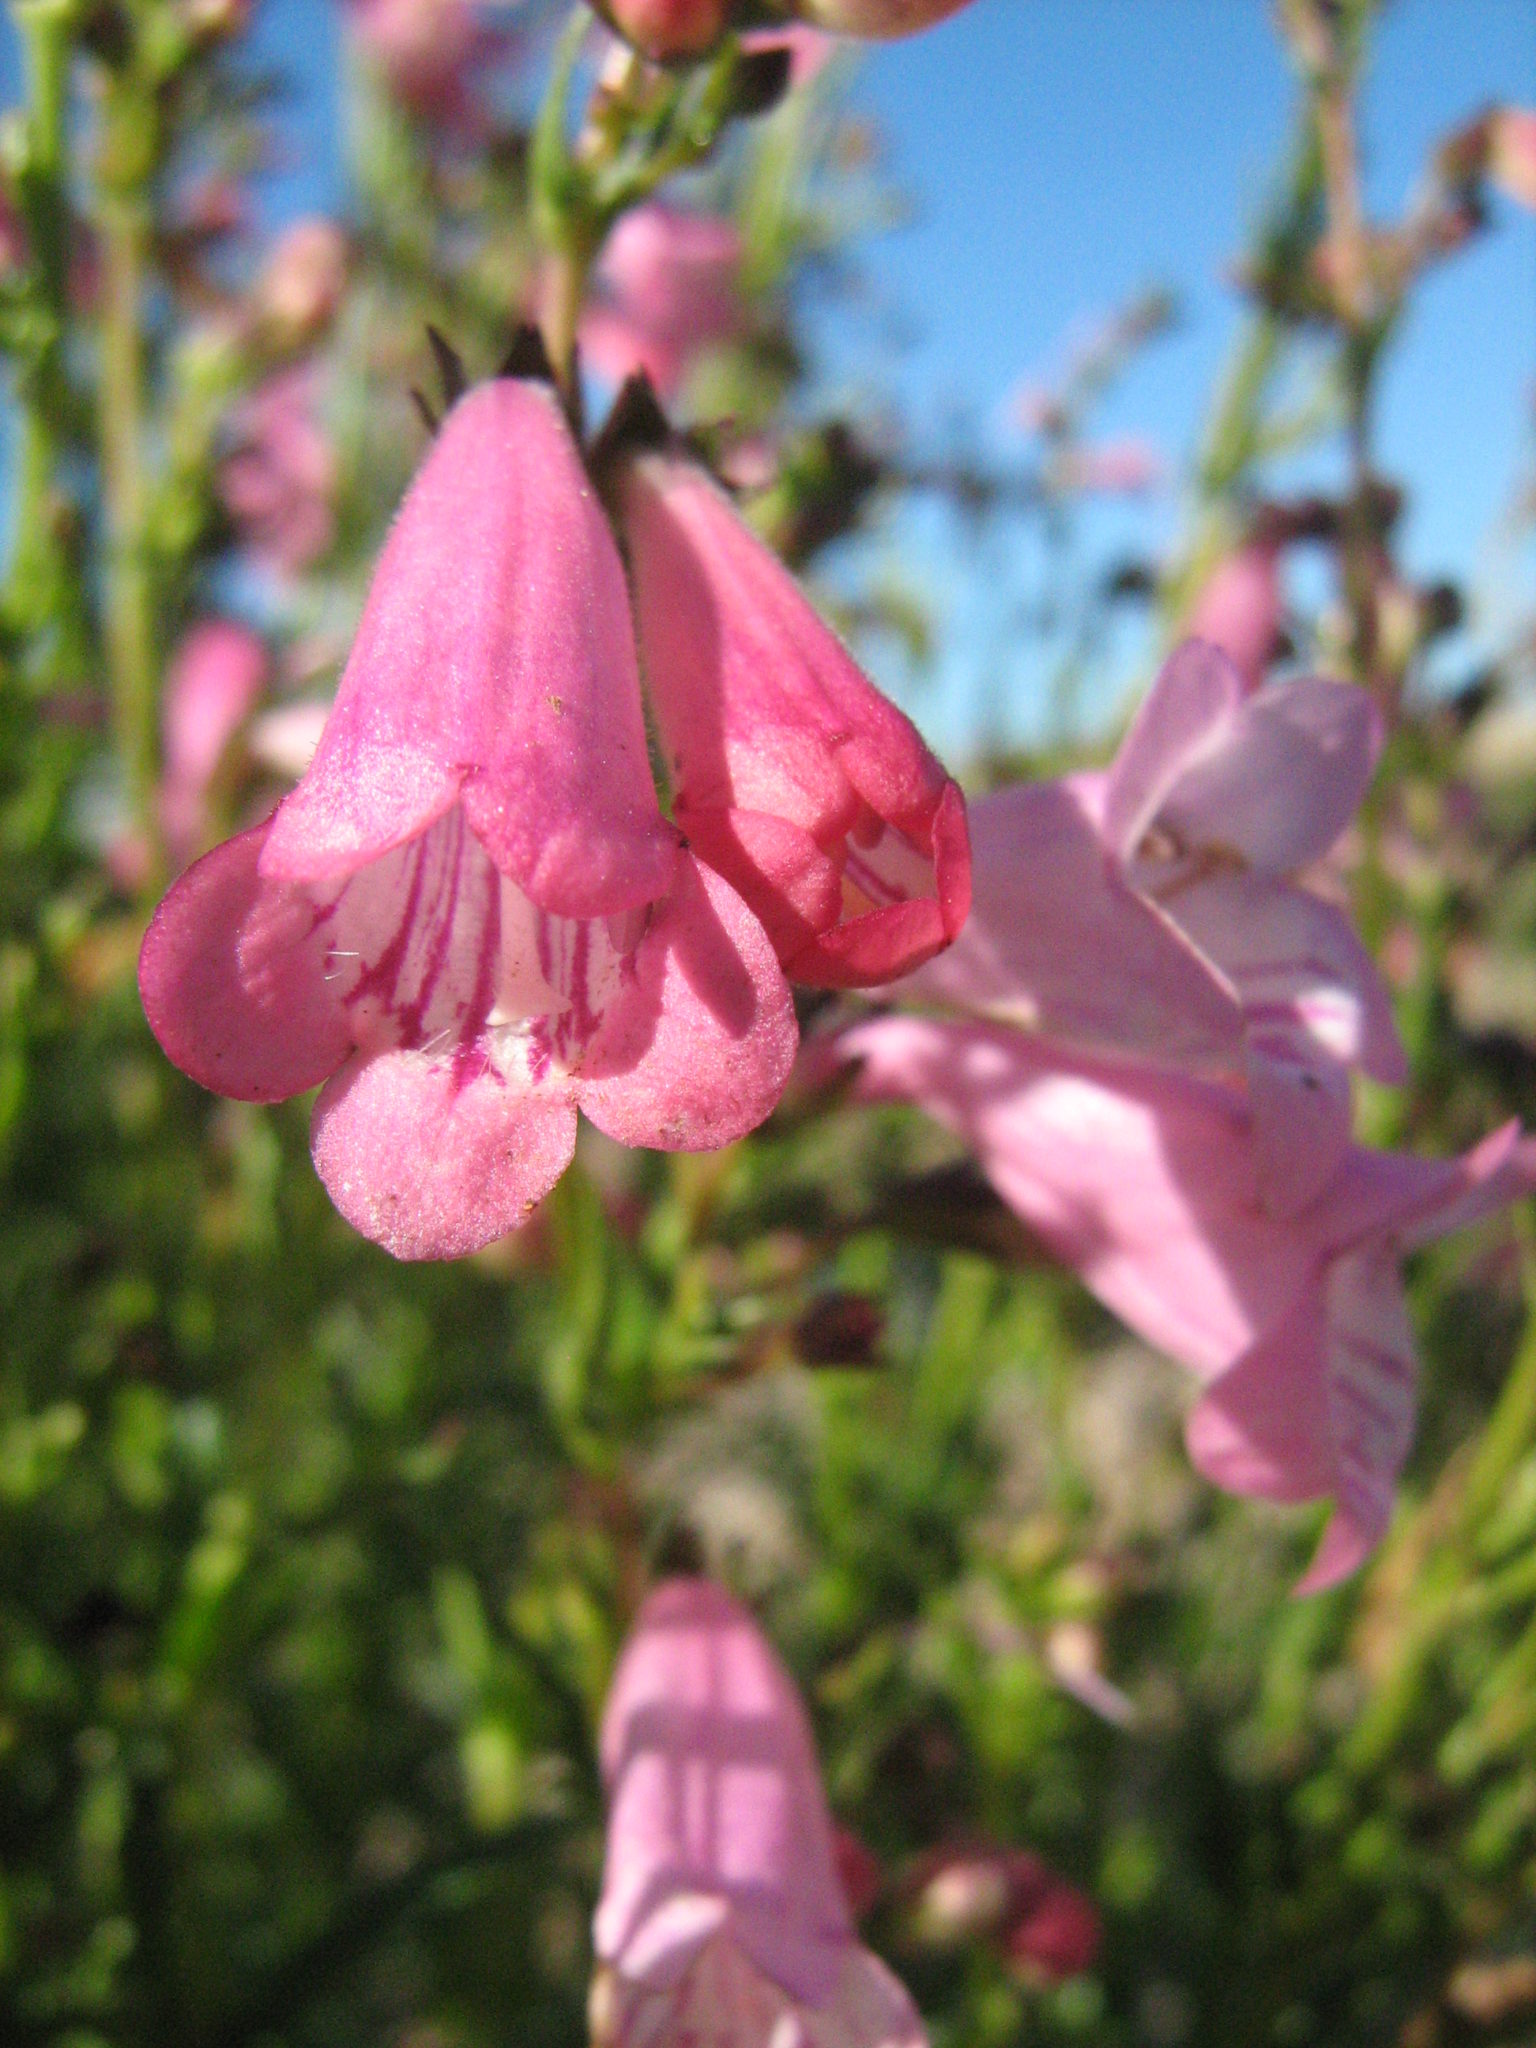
[
  {"x": 425, "y": 49},
  {"x": 279, "y": 483},
  {"x": 1142, "y": 1182},
  {"x": 470, "y": 918},
  {"x": 1113, "y": 468},
  {"x": 1150, "y": 911},
  {"x": 668, "y": 29},
  {"x": 665, "y": 289},
  {"x": 1238, "y": 609},
  {"x": 212, "y": 684},
  {"x": 791, "y": 775},
  {"x": 301, "y": 284},
  {"x": 721, "y": 1917}
]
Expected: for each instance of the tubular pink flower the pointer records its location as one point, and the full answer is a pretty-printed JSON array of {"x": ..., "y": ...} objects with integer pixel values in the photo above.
[
  {"x": 665, "y": 288},
  {"x": 791, "y": 774},
  {"x": 1238, "y": 609},
  {"x": 469, "y": 918},
  {"x": 721, "y": 1916},
  {"x": 214, "y": 679},
  {"x": 1141, "y": 1181},
  {"x": 1150, "y": 911},
  {"x": 301, "y": 284}
]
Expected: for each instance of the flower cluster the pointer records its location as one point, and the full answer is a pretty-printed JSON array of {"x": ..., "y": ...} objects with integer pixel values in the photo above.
[
  {"x": 472, "y": 918},
  {"x": 1147, "y": 1034}
]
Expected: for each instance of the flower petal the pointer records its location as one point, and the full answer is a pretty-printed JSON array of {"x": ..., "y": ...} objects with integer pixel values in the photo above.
[
  {"x": 1185, "y": 714},
  {"x": 435, "y": 1157},
  {"x": 697, "y": 1047},
  {"x": 1141, "y": 1181},
  {"x": 495, "y": 658},
  {"x": 1057, "y": 943},
  {"x": 1296, "y": 963},
  {"x": 1285, "y": 779},
  {"x": 232, "y": 975},
  {"x": 1261, "y": 1426},
  {"x": 714, "y": 1795},
  {"x": 1302, "y": 1118}
]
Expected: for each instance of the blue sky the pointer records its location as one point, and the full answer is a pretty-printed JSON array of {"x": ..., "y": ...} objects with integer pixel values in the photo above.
[{"x": 1058, "y": 154}]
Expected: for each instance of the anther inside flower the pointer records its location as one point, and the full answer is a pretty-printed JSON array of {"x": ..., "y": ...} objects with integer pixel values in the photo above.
[{"x": 470, "y": 919}]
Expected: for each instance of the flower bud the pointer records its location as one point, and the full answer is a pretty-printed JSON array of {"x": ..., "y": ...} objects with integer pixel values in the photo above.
[
  {"x": 301, "y": 285},
  {"x": 666, "y": 30}
]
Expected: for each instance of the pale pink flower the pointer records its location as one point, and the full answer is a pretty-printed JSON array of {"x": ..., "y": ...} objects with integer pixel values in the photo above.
[
  {"x": 215, "y": 677},
  {"x": 1238, "y": 608},
  {"x": 1142, "y": 1182},
  {"x": 302, "y": 281},
  {"x": 470, "y": 918},
  {"x": 279, "y": 482},
  {"x": 722, "y": 1918},
  {"x": 1152, "y": 910},
  {"x": 791, "y": 775},
  {"x": 665, "y": 288}
]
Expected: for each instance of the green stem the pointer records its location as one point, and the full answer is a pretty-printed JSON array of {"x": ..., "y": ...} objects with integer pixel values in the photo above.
[
  {"x": 129, "y": 623},
  {"x": 37, "y": 572},
  {"x": 561, "y": 216},
  {"x": 1512, "y": 1425}
]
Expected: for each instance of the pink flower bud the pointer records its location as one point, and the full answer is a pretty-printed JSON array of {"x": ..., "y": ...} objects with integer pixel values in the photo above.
[
  {"x": 668, "y": 29},
  {"x": 211, "y": 686},
  {"x": 665, "y": 288},
  {"x": 301, "y": 284},
  {"x": 1054, "y": 1931},
  {"x": 1238, "y": 609}
]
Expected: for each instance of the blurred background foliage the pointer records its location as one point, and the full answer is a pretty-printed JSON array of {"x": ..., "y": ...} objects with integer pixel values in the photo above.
[{"x": 313, "y": 1567}]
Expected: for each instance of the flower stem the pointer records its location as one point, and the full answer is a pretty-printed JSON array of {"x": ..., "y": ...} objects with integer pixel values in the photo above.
[
  {"x": 128, "y": 153},
  {"x": 37, "y": 577}
]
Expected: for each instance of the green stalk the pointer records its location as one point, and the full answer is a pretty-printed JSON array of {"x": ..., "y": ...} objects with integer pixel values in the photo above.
[
  {"x": 129, "y": 633},
  {"x": 125, "y": 169},
  {"x": 36, "y": 571}
]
